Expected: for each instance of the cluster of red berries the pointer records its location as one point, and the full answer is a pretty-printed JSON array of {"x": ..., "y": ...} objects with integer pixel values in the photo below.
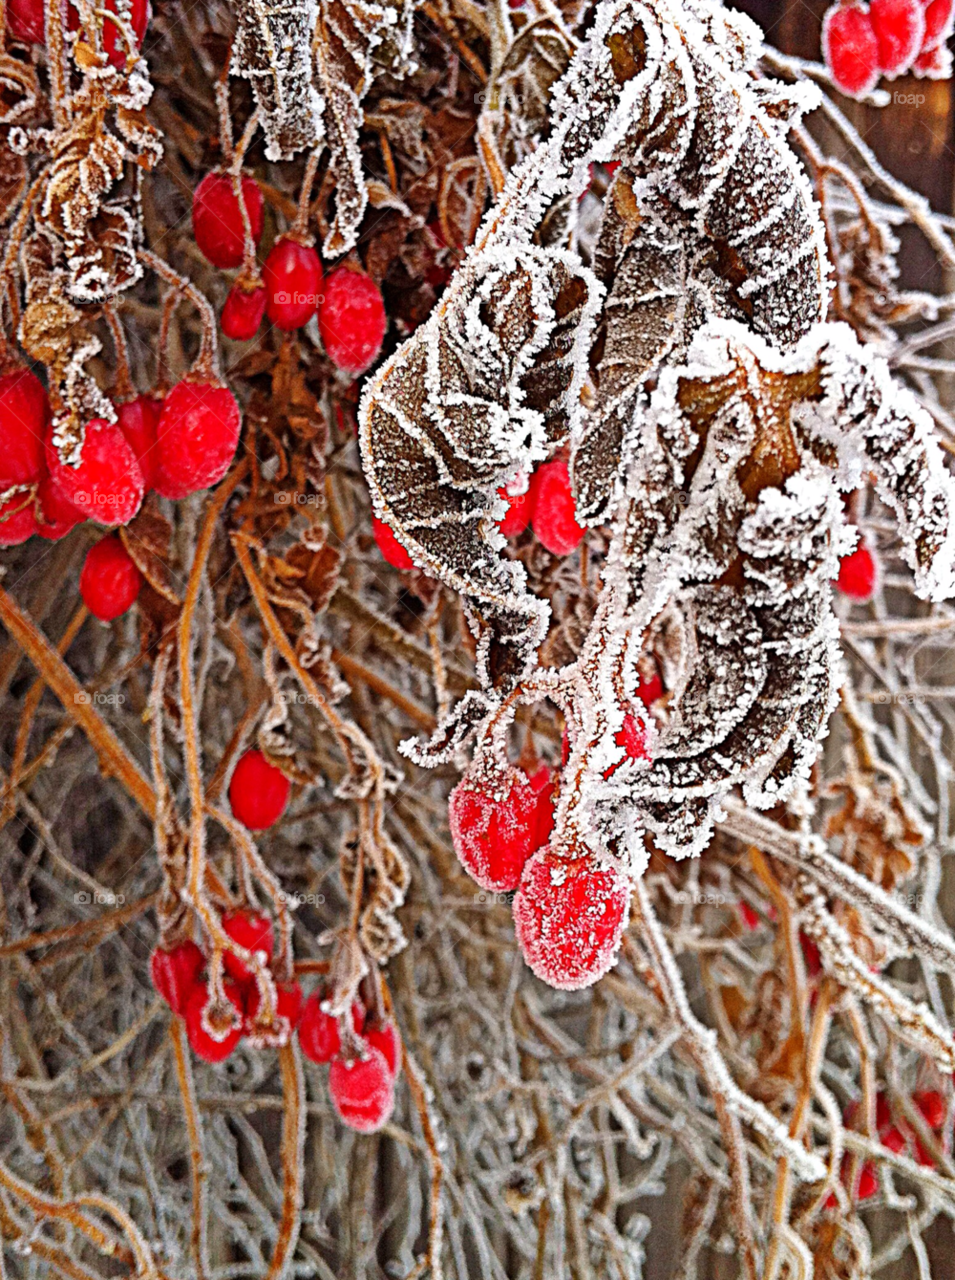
[
  {"x": 362, "y": 1067},
  {"x": 175, "y": 446},
  {"x": 25, "y": 22},
  {"x": 861, "y": 42},
  {"x": 363, "y": 1070},
  {"x": 897, "y": 1136},
  {"x": 290, "y": 289},
  {"x": 569, "y": 912}
]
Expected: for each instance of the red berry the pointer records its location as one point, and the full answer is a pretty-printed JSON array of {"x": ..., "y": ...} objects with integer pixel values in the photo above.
[
  {"x": 109, "y": 581},
  {"x": 258, "y": 791},
  {"x": 520, "y": 508},
  {"x": 650, "y": 690},
  {"x": 899, "y": 27},
  {"x": 24, "y": 415},
  {"x": 810, "y": 955},
  {"x": 175, "y": 973},
  {"x": 138, "y": 420},
  {"x": 217, "y": 218},
  {"x": 196, "y": 438},
  {"x": 883, "y": 1111},
  {"x": 850, "y": 49},
  {"x": 543, "y": 786},
  {"x": 288, "y": 1004},
  {"x": 894, "y": 1139},
  {"x": 569, "y": 915},
  {"x": 17, "y": 520},
  {"x": 932, "y": 1106},
  {"x": 55, "y": 516},
  {"x": 243, "y": 311},
  {"x": 857, "y": 573},
  {"x": 934, "y": 64},
  {"x": 632, "y": 736},
  {"x": 318, "y": 1031},
  {"x": 554, "y": 520},
  {"x": 25, "y": 22},
  {"x": 938, "y": 18},
  {"x": 107, "y": 486},
  {"x": 494, "y": 835},
  {"x": 389, "y": 546},
  {"x": 204, "y": 1045},
  {"x": 748, "y": 915},
  {"x": 386, "y": 1040},
  {"x": 293, "y": 281},
  {"x": 252, "y": 930},
  {"x": 351, "y": 319},
  {"x": 362, "y": 1091},
  {"x": 868, "y": 1181}
]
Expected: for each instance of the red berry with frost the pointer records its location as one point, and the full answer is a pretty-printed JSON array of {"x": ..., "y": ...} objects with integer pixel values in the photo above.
[
  {"x": 107, "y": 485},
  {"x": 109, "y": 581},
  {"x": 288, "y": 1004},
  {"x": 899, "y": 27},
  {"x": 351, "y": 319},
  {"x": 217, "y": 218},
  {"x": 318, "y": 1033},
  {"x": 25, "y": 23},
  {"x": 139, "y": 421},
  {"x": 554, "y": 518},
  {"x": 258, "y": 791},
  {"x": 894, "y": 1139},
  {"x": 24, "y": 415},
  {"x": 932, "y": 1106},
  {"x": 857, "y": 573},
  {"x": 17, "y": 520},
  {"x": 934, "y": 64},
  {"x": 175, "y": 973},
  {"x": 292, "y": 275},
  {"x": 386, "y": 1040},
  {"x": 850, "y": 49},
  {"x": 542, "y": 784},
  {"x": 495, "y": 833},
  {"x": 520, "y": 506},
  {"x": 196, "y": 437},
  {"x": 648, "y": 691},
  {"x": 389, "y": 546},
  {"x": 569, "y": 916},
  {"x": 54, "y": 515},
  {"x": 632, "y": 736},
  {"x": 362, "y": 1091},
  {"x": 252, "y": 930},
  {"x": 204, "y": 1045},
  {"x": 868, "y": 1181},
  {"x": 243, "y": 311},
  {"x": 938, "y": 20}
]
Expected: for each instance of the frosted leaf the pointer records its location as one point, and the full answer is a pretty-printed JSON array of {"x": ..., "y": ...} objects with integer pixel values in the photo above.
[{"x": 273, "y": 51}]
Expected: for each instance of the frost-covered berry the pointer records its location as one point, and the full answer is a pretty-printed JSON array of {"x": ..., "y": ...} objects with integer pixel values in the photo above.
[
  {"x": 139, "y": 420},
  {"x": 389, "y": 546},
  {"x": 386, "y": 1040},
  {"x": 55, "y": 517},
  {"x": 495, "y": 833},
  {"x": 850, "y": 49},
  {"x": 362, "y": 1091},
  {"x": 569, "y": 915},
  {"x": 217, "y": 218},
  {"x": 25, "y": 22},
  {"x": 938, "y": 21},
  {"x": 196, "y": 437},
  {"x": 107, "y": 486},
  {"x": 318, "y": 1033},
  {"x": 351, "y": 319},
  {"x": 899, "y": 27},
  {"x": 542, "y": 784},
  {"x": 554, "y": 518},
  {"x": 934, "y": 64},
  {"x": 868, "y": 1181},
  {"x": 109, "y": 581},
  {"x": 258, "y": 791},
  {"x": 857, "y": 573},
  {"x": 243, "y": 311},
  {"x": 24, "y": 414},
  {"x": 932, "y": 1106},
  {"x": 252, "y": 930},
  {"x": 204, "y": 1045},
  {"x": 292, "y": 275},
  {"x": 648, "y": 691},
  {"x": 519, "y": 496},
  {"x": 175, "y": 973}
]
